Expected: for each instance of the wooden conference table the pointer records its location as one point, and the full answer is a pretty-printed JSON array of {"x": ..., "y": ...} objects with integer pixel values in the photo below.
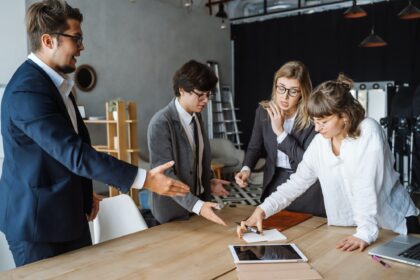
[{"x": 197, "y": 249}]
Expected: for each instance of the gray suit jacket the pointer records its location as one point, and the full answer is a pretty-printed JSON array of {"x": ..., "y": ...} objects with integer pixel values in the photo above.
[{"x": 167, "y": 141}]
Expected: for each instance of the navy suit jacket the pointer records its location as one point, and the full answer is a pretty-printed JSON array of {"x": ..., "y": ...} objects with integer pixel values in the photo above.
[{"x": 45, "y": 187}]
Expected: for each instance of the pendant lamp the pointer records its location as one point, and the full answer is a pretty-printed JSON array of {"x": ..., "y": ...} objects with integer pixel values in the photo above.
[
  {"x": 354, "y": 12},
  {"x": 410, "y": 12}
]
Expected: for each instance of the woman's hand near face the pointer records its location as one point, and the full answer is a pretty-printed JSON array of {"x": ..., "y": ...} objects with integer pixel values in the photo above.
[{"x": 276, "y": 117}]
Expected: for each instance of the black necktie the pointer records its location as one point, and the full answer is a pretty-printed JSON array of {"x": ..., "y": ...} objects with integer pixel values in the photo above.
[
  {"x": 76, "y": 110},
  {"x": 197, "y": 155}
]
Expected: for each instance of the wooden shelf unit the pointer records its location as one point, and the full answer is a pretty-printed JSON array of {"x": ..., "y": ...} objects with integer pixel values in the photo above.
[{"x": 124, "y": 131}]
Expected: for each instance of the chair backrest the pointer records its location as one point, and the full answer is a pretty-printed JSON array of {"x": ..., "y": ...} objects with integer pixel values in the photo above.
[
  {"x": 118, "y": 216},
  {"x": 6, "y": 257},
  {"x": 225, "y": 152},
  {"x": 92, "y": 231}
]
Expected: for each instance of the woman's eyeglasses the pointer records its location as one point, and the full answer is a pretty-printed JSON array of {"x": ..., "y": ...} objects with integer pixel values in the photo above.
[{"x": 292, "y": 92}]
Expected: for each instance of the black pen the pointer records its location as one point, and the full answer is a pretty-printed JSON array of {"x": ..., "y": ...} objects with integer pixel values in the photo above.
[{"x": 251, "y": 229}]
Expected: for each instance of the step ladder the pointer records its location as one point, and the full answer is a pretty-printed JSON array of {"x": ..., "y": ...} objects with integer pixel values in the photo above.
[
  {"x": 229, "y": 116},
  {"x": 221, "y": 116}
]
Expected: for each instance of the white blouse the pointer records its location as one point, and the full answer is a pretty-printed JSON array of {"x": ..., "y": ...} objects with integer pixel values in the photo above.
[
  {"x": 283, "y": 159},
  {"x": 360, "y": 186}
]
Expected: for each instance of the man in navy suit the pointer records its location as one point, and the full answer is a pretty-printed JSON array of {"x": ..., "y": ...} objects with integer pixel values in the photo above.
[{"x": 46, "y": 196}]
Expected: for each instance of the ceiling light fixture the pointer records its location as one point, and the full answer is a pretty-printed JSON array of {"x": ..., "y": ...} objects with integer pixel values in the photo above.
[
  {"x": 188, "y": 5},
  {"x": 354, "y": 12},
  {"x": 410, "y": 12},
  {"x": 373, "y": 41},
  {"x": 223, "y": 25},
  {"x": 223, "y": 15}
]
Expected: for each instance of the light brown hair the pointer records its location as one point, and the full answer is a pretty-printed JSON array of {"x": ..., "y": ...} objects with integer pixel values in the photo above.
[
  {"x": 334, "y": 98},
  {"x": 295, "y": 70},
  {"x": 48, "y": 17}
]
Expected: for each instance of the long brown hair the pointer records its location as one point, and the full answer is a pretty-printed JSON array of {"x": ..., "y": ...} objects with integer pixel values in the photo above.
[
  {"x": 334, "y": 98},
  {"x": 295, "y": 70}
]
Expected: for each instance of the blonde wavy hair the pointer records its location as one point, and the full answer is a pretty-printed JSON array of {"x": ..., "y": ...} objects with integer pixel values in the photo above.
[{"x": 295, "y": 70}]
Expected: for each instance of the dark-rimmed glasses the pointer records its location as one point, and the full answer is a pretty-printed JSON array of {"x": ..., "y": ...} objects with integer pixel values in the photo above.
[
  {"x": 202, "y": 95},
  {"x": 292, "y": 92},
  {"x": 78, "y": 39}
]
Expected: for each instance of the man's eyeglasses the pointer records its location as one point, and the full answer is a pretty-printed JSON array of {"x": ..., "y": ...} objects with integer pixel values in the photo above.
[
  {"x": 202, "y": 95},
  {"x": 76, "y": 38},
  {"x": 292, "y": 92}
]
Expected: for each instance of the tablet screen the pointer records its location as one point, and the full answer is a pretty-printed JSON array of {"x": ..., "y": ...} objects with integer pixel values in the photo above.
[{"x": 267, "y": 253}]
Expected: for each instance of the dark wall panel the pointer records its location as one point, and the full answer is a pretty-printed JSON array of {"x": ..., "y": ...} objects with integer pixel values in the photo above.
[{"x": 328, "y": 44}]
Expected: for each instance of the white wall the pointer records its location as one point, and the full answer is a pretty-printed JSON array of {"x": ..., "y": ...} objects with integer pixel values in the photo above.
[
  {"x": 13, "y": 44},
  {"x": 1, "y": 138},
  {"x": 135, "y": 46},
  {"x": 13, "y": 37}
]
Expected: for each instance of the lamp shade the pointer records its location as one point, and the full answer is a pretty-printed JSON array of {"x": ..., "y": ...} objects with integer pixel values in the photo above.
[
  {"x": 354, "y": 12},
  {"x": 221, "y": 13},
  {"x": 409, "y": 12},
  {"x": 373, "y": 41}
]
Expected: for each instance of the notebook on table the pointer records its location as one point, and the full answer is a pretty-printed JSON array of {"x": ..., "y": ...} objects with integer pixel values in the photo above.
[
  {"x": 285, "y": 219},
  {"x": 403, "y": 248}
]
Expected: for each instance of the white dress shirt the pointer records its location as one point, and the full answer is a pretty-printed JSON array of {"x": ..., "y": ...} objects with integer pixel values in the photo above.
[
  {"x": 65, "y": 85},
  {"x": 282, "y": 159},
  {"x": 186, "y": 119},
  {"x": 360, "y": 186}
]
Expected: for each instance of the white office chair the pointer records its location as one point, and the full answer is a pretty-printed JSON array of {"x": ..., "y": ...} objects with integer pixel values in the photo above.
[
  {"x": 225, "y": 153},
  {"x": 118, "y": 216},
  {"x": 6, "y": 257},
  {"x": 92, "y": 231}
]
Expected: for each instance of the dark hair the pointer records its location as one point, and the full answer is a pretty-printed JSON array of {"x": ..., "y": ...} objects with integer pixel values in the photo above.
[
  {"x": 47, "y": 17},
  {"x": 194, "y": 75},
  {"x": 298, "y": 71},
  {"x": 334, "y": 98}
]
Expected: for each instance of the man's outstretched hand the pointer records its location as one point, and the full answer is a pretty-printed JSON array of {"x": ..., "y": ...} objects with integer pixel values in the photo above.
[{"x": 161, "y": 184}]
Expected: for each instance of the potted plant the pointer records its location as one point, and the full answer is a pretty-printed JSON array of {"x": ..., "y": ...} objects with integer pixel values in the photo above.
[{"x": 112, "y": 107}]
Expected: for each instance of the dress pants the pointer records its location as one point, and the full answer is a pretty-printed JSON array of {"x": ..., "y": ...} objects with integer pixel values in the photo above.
[
  {"x": 413, "y": 225},
  {"x": 25, "y": 252}
]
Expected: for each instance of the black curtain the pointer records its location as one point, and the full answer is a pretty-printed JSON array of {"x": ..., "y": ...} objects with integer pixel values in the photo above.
[{"x": 328, "y": 44}]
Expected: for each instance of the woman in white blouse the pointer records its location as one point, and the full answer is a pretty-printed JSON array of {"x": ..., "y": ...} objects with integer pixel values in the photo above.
[{"x": 353, "y": 162}]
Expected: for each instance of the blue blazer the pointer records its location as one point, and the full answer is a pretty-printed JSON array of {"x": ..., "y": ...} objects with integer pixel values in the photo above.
[{"x": 46, "y": 187}]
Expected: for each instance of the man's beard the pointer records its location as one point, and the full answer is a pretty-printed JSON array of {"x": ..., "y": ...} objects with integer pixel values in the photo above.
[{"x": 66, "y": 69}]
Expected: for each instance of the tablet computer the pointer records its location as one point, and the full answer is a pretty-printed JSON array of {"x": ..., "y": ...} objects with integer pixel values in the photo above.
[{"x": 267, "y": 253}]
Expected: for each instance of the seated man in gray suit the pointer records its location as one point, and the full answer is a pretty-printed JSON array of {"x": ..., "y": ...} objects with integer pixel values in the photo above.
[{"x": 176, "y": 133}]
